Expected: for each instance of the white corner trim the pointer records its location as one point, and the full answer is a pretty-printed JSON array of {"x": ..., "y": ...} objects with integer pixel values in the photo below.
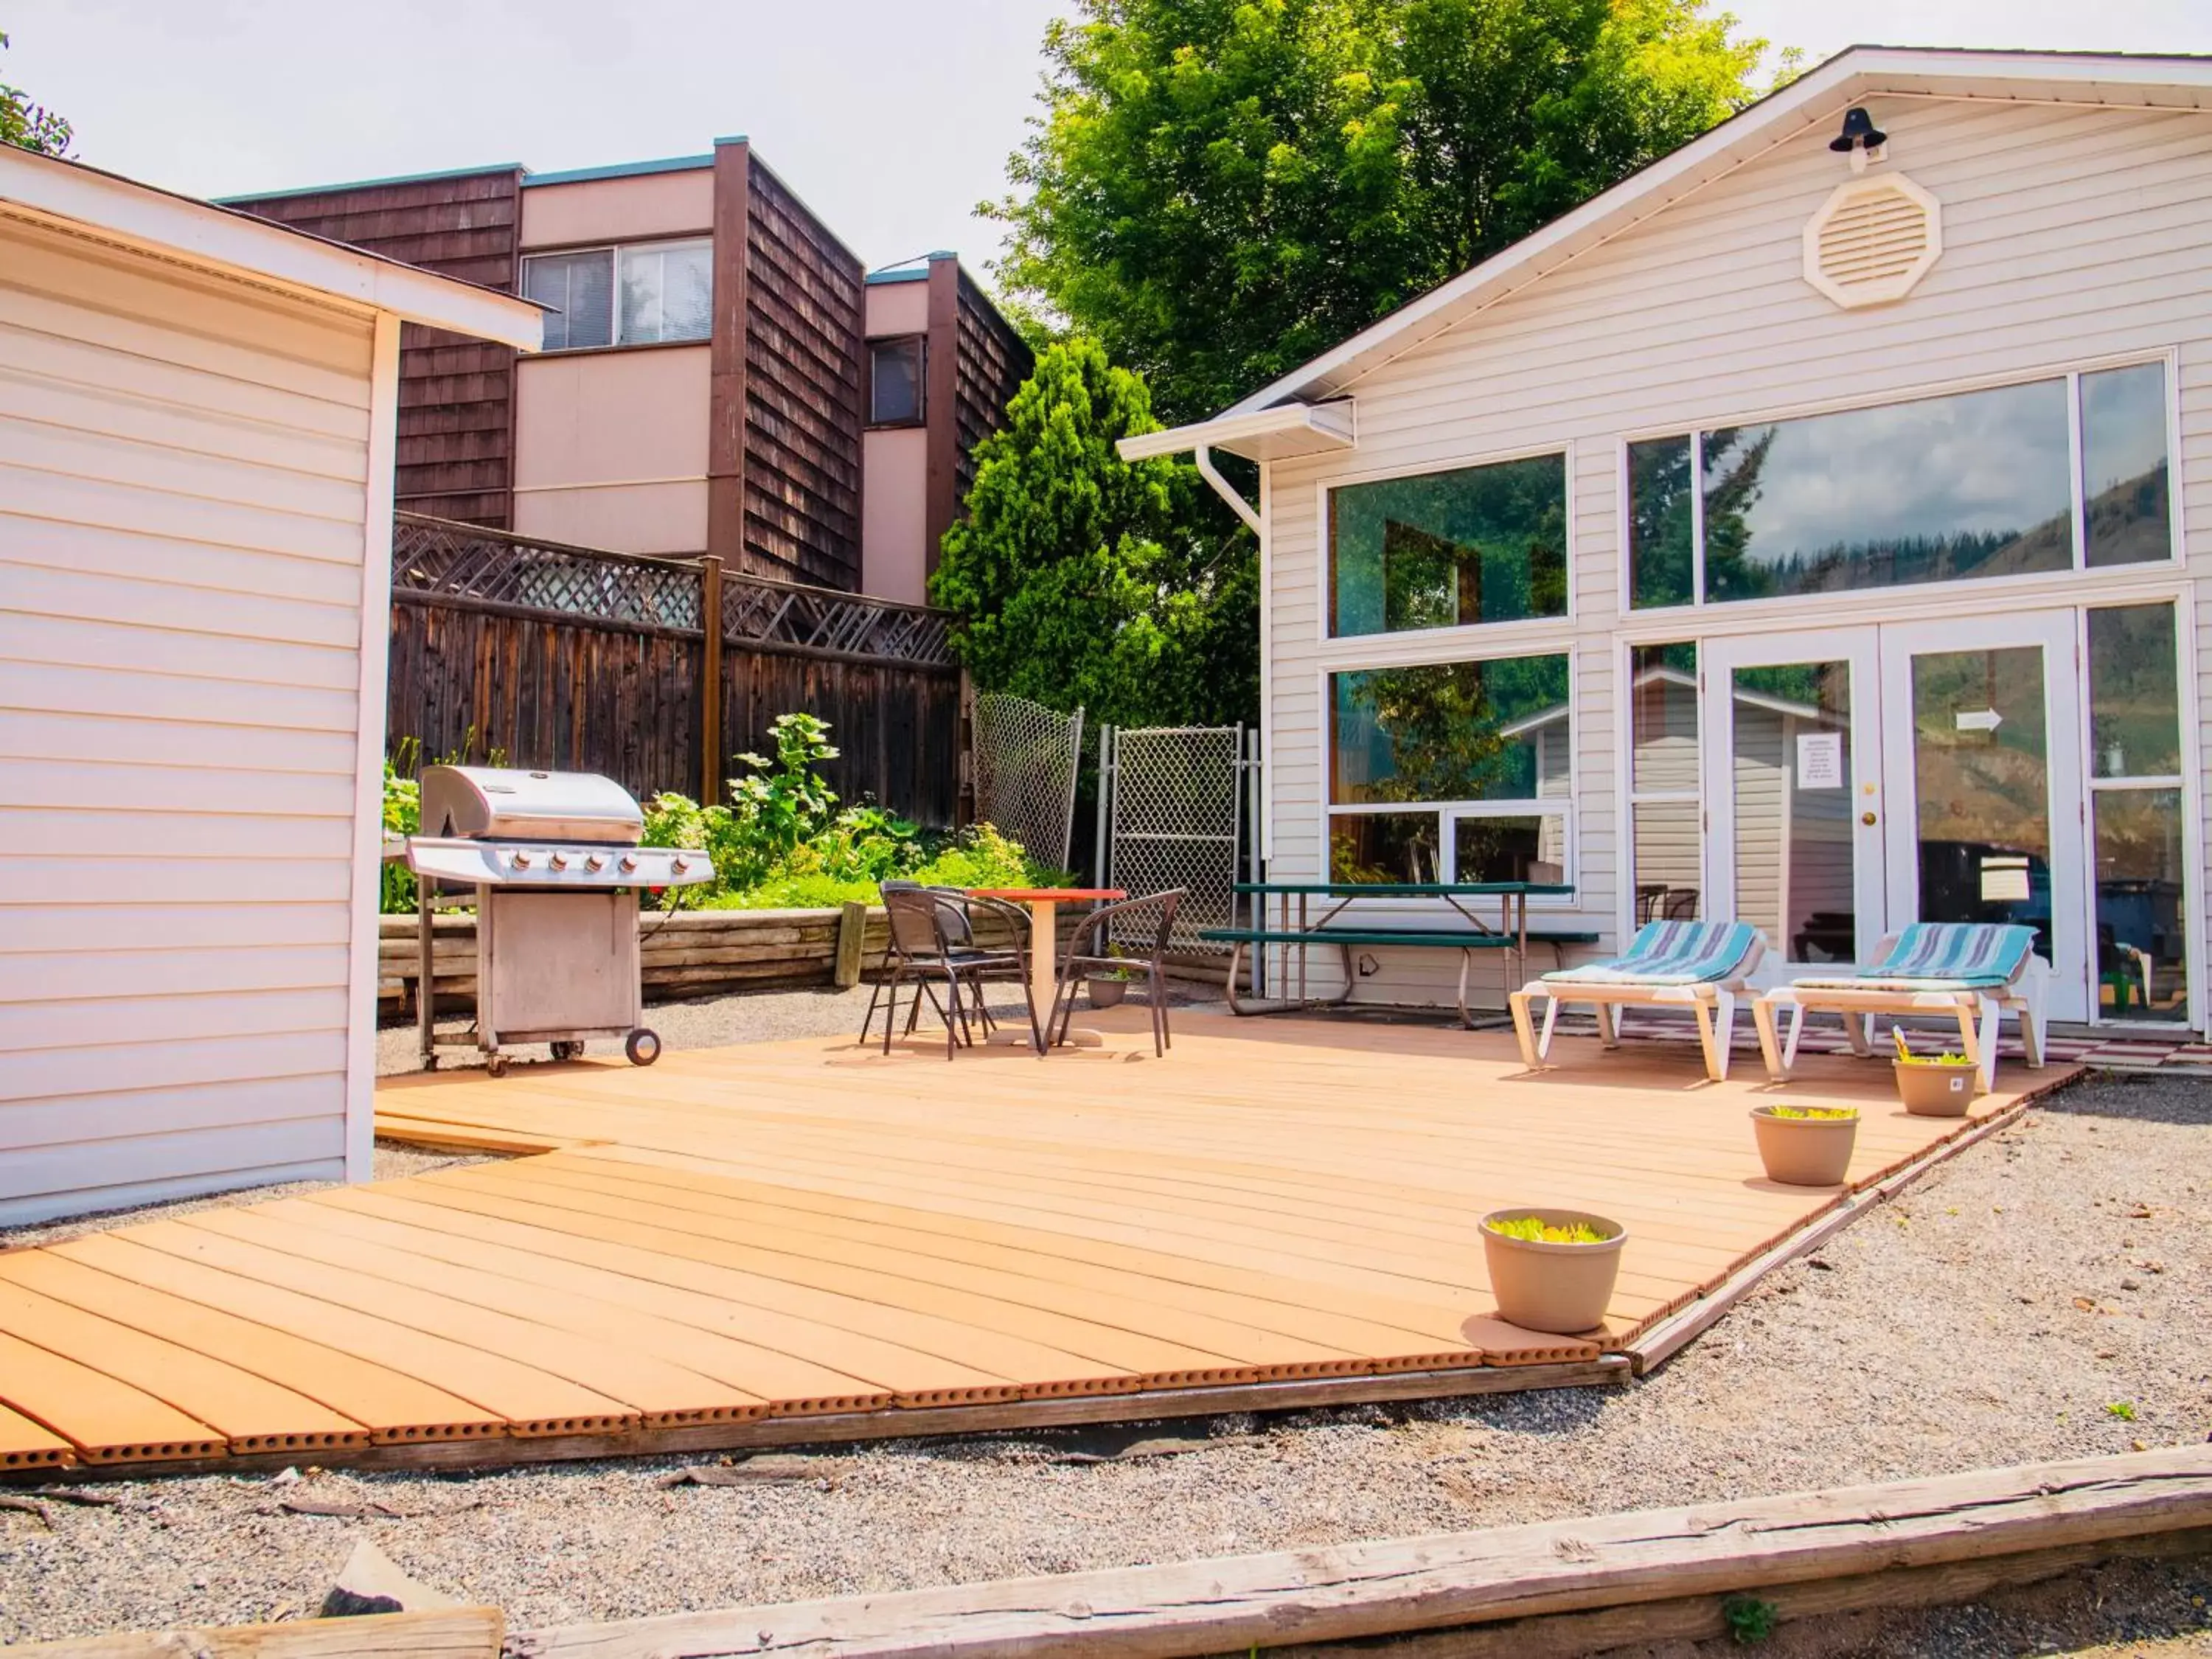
[
  {"x": 368, "y": 754},
  {"x": 74, "y": 197}
]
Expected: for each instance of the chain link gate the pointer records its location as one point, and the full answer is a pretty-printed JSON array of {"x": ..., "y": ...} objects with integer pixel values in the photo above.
[
  {"x": 1025, "y": 758},
  {"x": 1172, "y": 809}
]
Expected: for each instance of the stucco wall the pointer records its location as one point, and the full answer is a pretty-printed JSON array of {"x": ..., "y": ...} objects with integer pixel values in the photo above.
[
  {"x": 625, "y": 209},
  {"x": 611, "y": 448}
]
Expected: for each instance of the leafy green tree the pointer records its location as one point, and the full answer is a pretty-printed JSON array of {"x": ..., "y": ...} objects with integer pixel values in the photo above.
[
  {"x": 1219, "y": 190},
  {"x": 28, "y": 126},
  {"x": 1078, "y": 578}
]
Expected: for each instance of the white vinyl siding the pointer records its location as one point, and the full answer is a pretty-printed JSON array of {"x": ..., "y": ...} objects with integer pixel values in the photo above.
[
  {"x": 2071, "y": 235},
  {"x": 184, "y": 483}
]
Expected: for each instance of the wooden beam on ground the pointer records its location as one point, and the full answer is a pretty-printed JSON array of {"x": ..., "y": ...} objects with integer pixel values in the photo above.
[
  {"x": 1355, "y": 1591},
  {"x": 447, "y": 1633}
]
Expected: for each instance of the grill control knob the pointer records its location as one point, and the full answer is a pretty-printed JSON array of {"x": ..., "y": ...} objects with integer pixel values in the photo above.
[
  {"x": 558, "y": 861},
  {"x": 520, "y": 861},
  {"x": 682, "y": 864},
  {"x": 595, "y": 862},
  {"x": 628, "y": 862}
]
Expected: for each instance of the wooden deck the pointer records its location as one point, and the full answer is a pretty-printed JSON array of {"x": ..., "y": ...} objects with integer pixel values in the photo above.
[{"x": 809, "y": 1240}]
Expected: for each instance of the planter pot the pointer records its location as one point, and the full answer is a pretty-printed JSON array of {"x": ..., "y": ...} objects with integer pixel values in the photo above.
[
  {"x": 1560, "y": 1288},
  {"x": 1106, "y": 993},
  {"x": 1804, "y": 1152},
  {"x": 1936, "y": 1090}
]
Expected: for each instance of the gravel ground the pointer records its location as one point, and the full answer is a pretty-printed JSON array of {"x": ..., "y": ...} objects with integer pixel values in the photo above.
[{"x": 2046, "y": 1294}]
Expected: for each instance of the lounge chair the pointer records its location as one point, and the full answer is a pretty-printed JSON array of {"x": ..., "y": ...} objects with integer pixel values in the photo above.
[
  {"x": 1974, "y": 972},
  {"x": 1698, "y": 965}
]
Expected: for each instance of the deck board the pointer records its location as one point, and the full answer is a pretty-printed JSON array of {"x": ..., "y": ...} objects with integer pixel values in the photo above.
[{"x": 812, "y": 1228}]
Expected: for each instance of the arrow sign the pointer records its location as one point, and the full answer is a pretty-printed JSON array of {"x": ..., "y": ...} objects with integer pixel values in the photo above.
[{"x": 1978, "y": 719}]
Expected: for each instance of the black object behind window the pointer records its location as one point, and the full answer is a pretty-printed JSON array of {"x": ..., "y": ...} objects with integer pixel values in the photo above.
[{"x": 897, "y": 380}]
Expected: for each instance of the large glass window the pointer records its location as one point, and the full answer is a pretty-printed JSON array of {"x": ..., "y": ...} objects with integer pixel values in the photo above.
[
  {"x": 2135, "y": 804},
  {"x": 1479, "y": 545},
  {"x": 1666, "y": 820},
  {"x": 1451, "y": 771},
  {"x": 650, "y": 294},
  {"x": 1978, "y": 483}
]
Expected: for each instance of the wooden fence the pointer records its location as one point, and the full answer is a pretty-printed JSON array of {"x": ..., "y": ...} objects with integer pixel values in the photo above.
[{"x": 656, "y": 672}]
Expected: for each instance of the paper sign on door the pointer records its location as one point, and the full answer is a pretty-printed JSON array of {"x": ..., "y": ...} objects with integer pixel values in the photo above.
[{"x": 1819, "y": 759}]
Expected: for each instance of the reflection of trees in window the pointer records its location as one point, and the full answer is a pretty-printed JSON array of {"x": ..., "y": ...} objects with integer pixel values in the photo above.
[
  {"x": 1384, "y": 846},
  {"x": 1734, "y": 458},
  {"x": 1661, "y": 522},
  {"x": 1435, "y": 731},
  {"x": 1482, "y": 544}
]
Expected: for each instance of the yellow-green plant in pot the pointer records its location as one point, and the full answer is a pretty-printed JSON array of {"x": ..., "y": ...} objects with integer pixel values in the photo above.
[
  {"x": 1806, "y": 1145},
  {"x": 1552, "y": 1270},
  {"x": 1935, "y": 1086}
]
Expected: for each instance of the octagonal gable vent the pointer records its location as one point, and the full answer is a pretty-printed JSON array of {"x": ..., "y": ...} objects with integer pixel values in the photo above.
[{"x": 1873, "y": 240}]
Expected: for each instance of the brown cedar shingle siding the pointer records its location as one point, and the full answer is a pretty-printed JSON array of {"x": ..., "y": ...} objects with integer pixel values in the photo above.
[
  {"x": 804, "y": 329},
  {"x": 994, "y": 362},
  {"x": 456, "y": 395}
]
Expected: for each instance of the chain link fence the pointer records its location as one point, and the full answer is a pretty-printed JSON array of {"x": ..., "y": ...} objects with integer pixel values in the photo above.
[
  {"x": 1172, "y": 808},
  {"x": 1025, "y": 760}
]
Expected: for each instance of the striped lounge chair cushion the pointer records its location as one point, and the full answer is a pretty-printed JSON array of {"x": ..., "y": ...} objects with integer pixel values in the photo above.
[
  {"x": 1942, "y": 955},
  {"x": 1672, "y": 953}
]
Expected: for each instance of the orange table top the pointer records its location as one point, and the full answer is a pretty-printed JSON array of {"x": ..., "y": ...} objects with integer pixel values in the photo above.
[{"x": 1030, "y": 895}]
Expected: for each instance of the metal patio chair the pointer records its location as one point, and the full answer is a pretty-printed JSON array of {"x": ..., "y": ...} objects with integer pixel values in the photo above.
[
  {"x": 932, "y": 941},
  {"x": 1090, "y": 950}
]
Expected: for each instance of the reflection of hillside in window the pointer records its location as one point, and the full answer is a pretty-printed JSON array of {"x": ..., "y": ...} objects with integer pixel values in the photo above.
[
  {"x": 2123, "y": 466},
  {"x": 1971, "y": 486},
  {"x": 1477, "y": 544}
]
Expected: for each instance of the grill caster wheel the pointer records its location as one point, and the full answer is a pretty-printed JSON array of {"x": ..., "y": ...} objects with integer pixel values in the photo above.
[
  {"x": 568, "y": 1051},
  {"x": 643, "y": 1047},
  {"x": 496, "y": 1065}
]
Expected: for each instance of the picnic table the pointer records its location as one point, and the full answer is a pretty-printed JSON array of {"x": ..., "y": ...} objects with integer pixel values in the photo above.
[{"x": 1297, "y": 929}]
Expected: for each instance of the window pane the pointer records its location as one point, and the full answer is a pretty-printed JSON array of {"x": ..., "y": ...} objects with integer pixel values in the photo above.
[
  {"x": 895, "y": 379},
  {"x": 1484, "y": 544},
  {"x": 2141, "y": 961},
  {"x": 580, "y": 287},
  {"x": 1384, "y": 847},
  {"x": 1510, "y": 849},
  {"x": 1670, "y": 860},
  {"x": 1659, "y": 522},
  {"x": 666, "y": 293},
  {"x": 1974, "y": 485},
  {"x": 1796, "y": 858},
  {"x": 2124, "y": 465},
  {"x": 1663, "y": 719},
  {"x": 1462, "y": 730},
  {"x": 2135, "y": 699}
]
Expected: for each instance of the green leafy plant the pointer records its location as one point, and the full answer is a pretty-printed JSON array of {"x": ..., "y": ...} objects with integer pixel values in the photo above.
[
  {"x": 403, "y": 810},
  {"x": 1531, "y": 1229},
  {"x": 29, "y": 125},
  {"x": 1906, "y": 1057},
  {"x": 1748, "y": 1618},
  {"x": 2123, "y": 1409},
  {"x": 1823, "y": 1113}
]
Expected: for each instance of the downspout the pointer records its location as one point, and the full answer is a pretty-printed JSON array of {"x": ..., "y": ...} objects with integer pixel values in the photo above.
[{"x": 1265, "y": 830}]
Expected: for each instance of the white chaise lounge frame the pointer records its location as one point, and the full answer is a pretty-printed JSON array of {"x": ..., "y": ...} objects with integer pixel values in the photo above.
[{"x": 1712, "y": 1002}]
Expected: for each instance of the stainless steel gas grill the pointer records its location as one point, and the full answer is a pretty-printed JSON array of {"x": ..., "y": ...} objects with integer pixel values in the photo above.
[{"x": 552, "y": 863}]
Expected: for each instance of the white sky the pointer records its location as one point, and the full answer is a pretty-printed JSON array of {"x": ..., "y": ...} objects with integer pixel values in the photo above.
[{"x": 892, "y": 117}]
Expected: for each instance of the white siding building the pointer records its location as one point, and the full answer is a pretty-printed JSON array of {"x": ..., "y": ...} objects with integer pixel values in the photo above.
[
  {"x": 197, "y": 417},
  {"x": 1850, "y": 511}
]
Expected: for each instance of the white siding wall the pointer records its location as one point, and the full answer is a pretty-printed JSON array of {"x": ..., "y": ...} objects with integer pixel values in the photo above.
[
  {"x": 183, "y": 467},
  {"x": 2069, "y": 234}
]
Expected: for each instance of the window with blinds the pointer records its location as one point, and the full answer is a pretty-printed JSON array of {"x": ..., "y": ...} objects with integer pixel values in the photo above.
[{"x": 649, "y": 295}]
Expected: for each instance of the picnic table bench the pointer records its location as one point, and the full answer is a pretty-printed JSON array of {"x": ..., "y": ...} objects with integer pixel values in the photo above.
[{"x": 1513, "y": 935}]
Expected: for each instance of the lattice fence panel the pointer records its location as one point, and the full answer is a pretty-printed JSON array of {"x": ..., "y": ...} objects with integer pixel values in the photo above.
[
  {"x": 451, "y": 562},
  {"x": 1025, "y": 759},
  {"x": 1174, "y": 821}
]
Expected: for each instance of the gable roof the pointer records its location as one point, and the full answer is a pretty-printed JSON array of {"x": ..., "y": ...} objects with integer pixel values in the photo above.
[
  {"x": 73, "y": 196},
  {"x": 1816, "y": 100}
]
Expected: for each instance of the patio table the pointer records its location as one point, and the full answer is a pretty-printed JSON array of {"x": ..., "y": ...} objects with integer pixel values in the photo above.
[
  {"x": 1298, "y": 927},
  {"x": 1044, "y": 904}
]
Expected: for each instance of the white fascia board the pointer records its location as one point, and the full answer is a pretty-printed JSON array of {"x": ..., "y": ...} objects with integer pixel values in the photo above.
[
  {"x": 1265, "y": 435},
  {"x": 76, "y": 198},
  {"x": 1814, "y": 97}
]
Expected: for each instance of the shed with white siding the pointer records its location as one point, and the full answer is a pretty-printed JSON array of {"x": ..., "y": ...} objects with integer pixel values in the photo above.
[
  {"x": 1898, "y": 462},
  {"x": 197, "y": 419}
]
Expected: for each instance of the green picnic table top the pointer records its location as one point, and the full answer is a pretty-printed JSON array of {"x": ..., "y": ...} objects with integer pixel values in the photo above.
[{"x": 1408, "y": 889}]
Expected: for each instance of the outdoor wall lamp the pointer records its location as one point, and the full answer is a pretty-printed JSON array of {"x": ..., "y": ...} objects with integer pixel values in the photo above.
[{"x": 1861, "y": 139}]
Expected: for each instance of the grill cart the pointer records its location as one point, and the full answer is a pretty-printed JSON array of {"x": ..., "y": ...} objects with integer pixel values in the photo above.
[{"x": 551, "y": 862}]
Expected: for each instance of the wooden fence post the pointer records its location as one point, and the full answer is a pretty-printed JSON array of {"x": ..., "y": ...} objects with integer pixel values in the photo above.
[
  {"x": 852, "y": 944},
  {"x": 711, "y": 760}
]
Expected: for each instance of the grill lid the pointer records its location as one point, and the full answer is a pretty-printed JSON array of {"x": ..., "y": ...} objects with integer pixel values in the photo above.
[{"x": 495, "y": 803}]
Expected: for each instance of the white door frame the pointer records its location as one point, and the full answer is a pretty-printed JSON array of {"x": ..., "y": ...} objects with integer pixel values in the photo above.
[
  {"x": 2071, "y": 896},
  {"x": 1858, "y": 647}
]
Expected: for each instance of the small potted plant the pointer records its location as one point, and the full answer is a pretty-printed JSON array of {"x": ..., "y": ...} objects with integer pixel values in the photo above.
[
  {"x": 1108, "y": 985},
  {"x": 1806, "y": 1145},
  {"x": 1935, "y": 1086},
  {"x": 1552, "y": 1270}
]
